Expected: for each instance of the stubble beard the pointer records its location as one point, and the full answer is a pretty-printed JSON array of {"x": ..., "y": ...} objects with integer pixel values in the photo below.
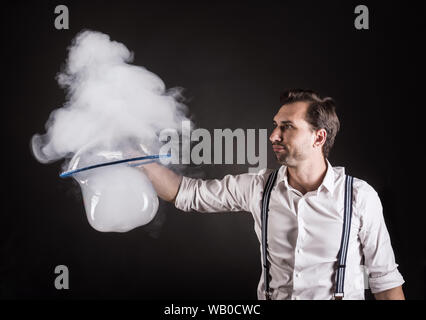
[
  {"x": 287, "y": 159},
  {"x": 283, "y": 157}
]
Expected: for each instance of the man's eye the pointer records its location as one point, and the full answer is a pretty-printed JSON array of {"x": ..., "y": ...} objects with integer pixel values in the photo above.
[{"x": 282, "y": 127}]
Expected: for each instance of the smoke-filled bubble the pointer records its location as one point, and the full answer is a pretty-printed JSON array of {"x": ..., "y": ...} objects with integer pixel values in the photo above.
[
  {"x": 112, "y": 206},
  {"x": 113, "y": 109}
]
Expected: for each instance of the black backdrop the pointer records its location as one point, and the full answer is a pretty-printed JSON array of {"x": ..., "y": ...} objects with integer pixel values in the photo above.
[{"x": 233, "y": 59}]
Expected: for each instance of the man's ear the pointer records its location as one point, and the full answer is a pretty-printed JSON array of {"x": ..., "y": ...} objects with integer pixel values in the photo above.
[{"x": 320, "y": 138}]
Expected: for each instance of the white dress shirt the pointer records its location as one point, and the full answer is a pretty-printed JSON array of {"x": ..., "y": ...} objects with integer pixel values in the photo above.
[{"x": 304, "y": 231}]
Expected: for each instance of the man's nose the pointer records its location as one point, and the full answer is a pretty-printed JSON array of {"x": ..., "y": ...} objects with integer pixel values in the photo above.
[{"x": 275, "y": 135}]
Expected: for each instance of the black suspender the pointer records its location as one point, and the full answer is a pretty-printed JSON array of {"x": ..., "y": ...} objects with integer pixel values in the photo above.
[
  {"x": 265, "y": 208},
  {"x": 347, "y": 216}
]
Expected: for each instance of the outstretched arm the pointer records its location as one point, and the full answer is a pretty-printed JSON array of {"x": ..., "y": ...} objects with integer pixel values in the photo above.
[{"x": 232, "y": 193}]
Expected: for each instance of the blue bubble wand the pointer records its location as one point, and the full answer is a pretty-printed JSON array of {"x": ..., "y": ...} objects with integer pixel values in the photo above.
[{"x": 104, "y": 164}]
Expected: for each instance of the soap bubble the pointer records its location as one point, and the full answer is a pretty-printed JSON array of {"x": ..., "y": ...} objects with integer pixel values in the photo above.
[
  {"x": 116, "y": 198},
  {"x": 119, "y": 207}
]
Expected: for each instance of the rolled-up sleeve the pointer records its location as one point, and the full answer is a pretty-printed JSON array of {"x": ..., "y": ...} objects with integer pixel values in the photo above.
[
  {"x": 232, "y": 193},
  {"x": 375, "y": 239}
]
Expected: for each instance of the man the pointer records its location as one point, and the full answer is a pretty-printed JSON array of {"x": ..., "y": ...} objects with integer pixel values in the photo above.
[{"x": 306, "y": 209}]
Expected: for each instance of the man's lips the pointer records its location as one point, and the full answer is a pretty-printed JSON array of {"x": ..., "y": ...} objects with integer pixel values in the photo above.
[{"x": 277, "y": 148}]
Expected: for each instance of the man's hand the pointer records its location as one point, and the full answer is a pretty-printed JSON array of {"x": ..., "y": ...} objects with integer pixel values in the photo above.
[
  {"x": 165, "y": 182},
  {"x": 391, "y": 294}
]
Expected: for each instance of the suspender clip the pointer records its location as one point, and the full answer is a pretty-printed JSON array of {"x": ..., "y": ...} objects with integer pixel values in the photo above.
[
  {"x": 267, "y": 295},
  {"x": 338, "y": 296}
]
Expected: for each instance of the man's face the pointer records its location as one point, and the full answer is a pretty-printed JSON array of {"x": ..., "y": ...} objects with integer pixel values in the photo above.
[{"x": 292, "y": 137}]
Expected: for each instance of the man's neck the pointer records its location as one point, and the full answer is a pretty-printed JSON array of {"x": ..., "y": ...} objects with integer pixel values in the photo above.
[{"x": 308, "y": 175}]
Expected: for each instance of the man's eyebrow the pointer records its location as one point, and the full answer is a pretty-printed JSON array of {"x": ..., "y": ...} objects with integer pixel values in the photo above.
[{"x": 283, "y": 122}]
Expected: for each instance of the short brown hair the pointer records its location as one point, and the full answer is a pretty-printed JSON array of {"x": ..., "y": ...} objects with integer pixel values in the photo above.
[{"x": 321, "y": 113}]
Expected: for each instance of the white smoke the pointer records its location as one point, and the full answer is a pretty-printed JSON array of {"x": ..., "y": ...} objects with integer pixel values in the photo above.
[{"x": 113, "y": 110}]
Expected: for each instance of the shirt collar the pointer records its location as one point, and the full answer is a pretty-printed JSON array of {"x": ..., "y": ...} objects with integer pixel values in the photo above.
[{"x": 327, "y": 182}]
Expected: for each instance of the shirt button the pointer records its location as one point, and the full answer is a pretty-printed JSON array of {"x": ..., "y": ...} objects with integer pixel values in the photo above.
[
  {"x": 296, "y": 298},
  {"x": 297, "y": 275},
  {"x": 299, "y": 250}
]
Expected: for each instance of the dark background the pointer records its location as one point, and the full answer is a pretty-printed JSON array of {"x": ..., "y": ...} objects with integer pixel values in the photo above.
[{"x": 233, "y": 59}]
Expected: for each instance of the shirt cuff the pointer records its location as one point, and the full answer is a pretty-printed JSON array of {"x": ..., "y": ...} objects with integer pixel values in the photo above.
[
  {"x": 185, "y": 194},
  {"x": 385, "y": 282}
]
